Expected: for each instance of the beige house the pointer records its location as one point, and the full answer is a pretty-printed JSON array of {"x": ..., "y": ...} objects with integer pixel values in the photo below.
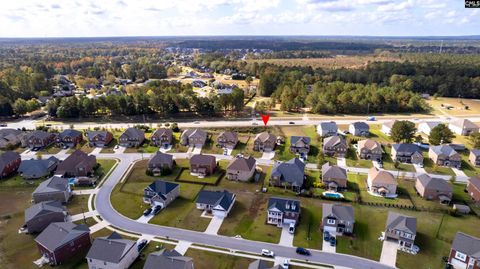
[
  {"x": 241, "y": 169},
  {"x": 445, "y": 155},
  {"x": 432, "y": 188},
  {"x": 463, "y": 127},
  {"x": 335, "y": 146},
  {"x": 380, "y": 182},
  {"x": 264, "y": 142},
  {"x": 474, "y": 157},
  {"x": 369, "y": 149}
]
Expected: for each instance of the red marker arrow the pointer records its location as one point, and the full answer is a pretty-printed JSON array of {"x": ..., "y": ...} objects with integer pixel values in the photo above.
[{"x": 265, "y": 118}]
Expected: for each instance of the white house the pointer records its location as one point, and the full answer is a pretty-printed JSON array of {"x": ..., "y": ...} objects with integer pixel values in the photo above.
[
  {"x": 112, "y": 252},
  {"x": 327, "y": 128},
  {"x": 217, "y": 203},
  {"x": 387, "y": 127},
  {"x": 427, "y": 126},
  {"x": 463, "y": 127}
]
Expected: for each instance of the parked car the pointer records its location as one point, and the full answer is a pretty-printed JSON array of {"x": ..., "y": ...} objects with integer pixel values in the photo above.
[
  {"x": 157, "y": 210},
  {"x": 147, "y": 211},
  {"x": 286, "y": 264},
  {"x": 142, "y": 245},
  {"x": 326, "y": 235},
  {"x": 292, "y": 122},
  {"x": 303, "y": 251},
  {"x": 332, "y": 241},
  {"x": 3, "y": 125},
  {"x": 268, "y": 253}
]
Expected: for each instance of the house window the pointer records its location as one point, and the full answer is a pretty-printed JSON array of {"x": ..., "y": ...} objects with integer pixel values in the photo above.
[
  {"x": 460, "y": 256},
  {"x": 331, "y": 221}
]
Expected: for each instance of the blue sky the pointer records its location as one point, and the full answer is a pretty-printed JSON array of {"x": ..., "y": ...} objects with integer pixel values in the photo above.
[{"x": 79, "y": 18}]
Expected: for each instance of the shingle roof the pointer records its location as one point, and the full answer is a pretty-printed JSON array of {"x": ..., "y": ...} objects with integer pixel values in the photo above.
[
  {"x": 101, "y": 134},
  {"x": 162, "y": 131},
  {"x": 77, "y": 159},
  {"x": 333, "y": 171},
  {"x": 444, "y": 149},
  {"x": 43, "y": 208},
  {"x": 110, "y": 249},
  {"x": 36, "y": 167},
  {"x": 333, "y": 141},
  {"x": 40, "y": 134},
  {"x": 52, "y": 184},
  {"x": 464, "y": 123},
  {"x": 58, "y": 234},
  {"x": 431, "y": 124},
  {"x": 401, "y": 222},
  {"x": 133, "y": 133},
  {"x": 282, "y": 203},
  {"x": 331, "y": 125},
  {"x": 389, "y": 123},
  {"x": 259, "y": 264},
  {"x": 229, "y": 135},
  {"x": 341, "y": 212},
  {"x": 194, "y": 132},
  {"x": 292, "y": 171},
  {"x": 381, "y": 176},
  {"x": 8, "y": 157},
  {"x": 369, "y": 144},
  {"x": 406, "y": 147},
  {"x": 242, "y": 164},
  {"x": 360, "y": 125},
  {"x": 168, "y": 259},
  {"x": 214, "y": 198},
  {"x": 295, "y": 139},
  {"x": 467, "y": 244},
  {"x": 69, "y": 132},
  {"x": 160, "y": 158},
  {"x": 265, "y": 136},
  {"x": 475, "y": 152},
  {"x": 434, "y": 183},
  {"x": 162, "y": 187},
  {"x": 201, "y": 159},
  {"x": 475, "y": 181}
]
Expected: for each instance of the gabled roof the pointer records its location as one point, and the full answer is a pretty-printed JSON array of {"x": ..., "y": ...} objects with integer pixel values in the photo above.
[
  {"x": 161, "y": 158},
  {"x": 333, "y": 171},
  {"x": 229, "y": 135},
  {"x": 8, "y": 132},
  {"x": 265, "y": 136},
  {"x": 406, "y": 147},
  {"x": 8, "y": 157},
  {"x": 295, "y": 139},
  {"x": 58, "y": 234},
  {"x": 168, "y": 259},
  {"x": 194, "y": 132},
  {"x": 201, "y": 159},
  {"x": 161, "y": 187},
  {"x": 475, "y": 152},
  {"x": 133, "y": 133},
  {"x": 259, "y": 264},
  {"x": 475, "y": 181},
  {"x": 464, "y": 123},
  {"x": 331, "y": 125},
  {"x": 53, "y": 184},
  {"x": 396, "y": 221},
  {"x": 334, "y": 141},
  {"x": 369, "y": 144},
  {"x": 389, "y": 124},
  {"x": 101, "y": 134},
  {"x": 41, "y": 134},
  {"x": 43, "y": 208},
  {"x": 243, "y": 164},
  {"x": 444, "y": 150},
  {"x": 110, "y": 249},
  {"x": 284, "y": 204},
  {"x": 381, "y": 176},
  {"x": 434, "y": 183},
  {"x": 77, "y": 159},
  {"x": 69, "y": 132},
  {"x": 360, "y": 125},
  {"x": 36, "y": 167},
  {"x": 431, "y": 124},
  {"x": 467, "y": 244},
  {"x": 162, "y": 131},
  {"x": 292, "y": 171},
  {"x": 215, "y": 198},
  {"x": 340, "y": 212}
]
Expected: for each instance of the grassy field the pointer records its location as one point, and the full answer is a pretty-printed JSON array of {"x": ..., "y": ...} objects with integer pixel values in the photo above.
[
  {"x": 430, "y": 167},
  {"x": 389, "y": 164},
  {"x": 458, "y": 106},
  {"x": 353, "y": 160},
  {"x": 211, "y": 260}
]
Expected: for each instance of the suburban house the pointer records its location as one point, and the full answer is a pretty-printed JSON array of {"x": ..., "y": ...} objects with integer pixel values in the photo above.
[
  {"x": 54, "y": 188},
  {"x": 300, "y": 144},
  {"x": 162, "y": 137},
  {"x": 241, "y": 168},
  {"x": 132, "y": 137},
  {"x": 40, "y": 139},
  {"x": 33, "y": 168},
  {"x": 227, "y": 140},
  {"x": 335, "y": 146},
  {"x": 61, "y": 241},
  {"x": 465, "y": 252},
  {"x": 337, "y": 219},
  {"x": 401, "y": 229},
  {"x": 473, "y": 188},
  {"x": 262, "y": 264},
  {"x": 168, "y": 259},
  {"x": 9, "y": 163},
  {"x": 99, "y": 138},
  {"x": 334, "y": 177},
  {"x": 380, "y": 182},
  {"x": 161, "y": 193},
  {"x": 432, "y": 188},
  {"x": 193, "y": 138},
  {"x": 463, "y": 127},
  {"x": 427, "y": 126},
  {"x": 160, "y": 163},
  {"x": 77, "y": 164},
  {"x": 387, "y": 127},
  {"x": 445, "y": 155},
  {"x": 369, "y": 149},
  {"x": 202, "y": 165},
  {"x": 112, "y": 252},
  {"x": 69, "y": 138},
  {"x": 359, "y": 128},
  {"x": 264, "y": 142},
  {"x": 39, "y": 216},
  {"x": 327, "y": 128},
  {"x": 218, "y": 203},
  {"x": 9, "y": 138},
  {"x": 474, "y": 157},
  {"x": 289, "y": 174},
  {"x": 407, "y": 153},
  {"x": 283, "y": 211}
]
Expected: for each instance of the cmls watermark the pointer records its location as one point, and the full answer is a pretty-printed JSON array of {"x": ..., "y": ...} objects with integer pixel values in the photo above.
[{"x": 472, "y": 3}]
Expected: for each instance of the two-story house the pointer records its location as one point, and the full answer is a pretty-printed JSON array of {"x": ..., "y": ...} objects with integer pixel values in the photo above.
[
  {"x": 112, "y": 252},
  {"x": 407, "y": 153},
  {"x": 427, "y": 126},
  {"x": 283, "y": 211},
  {"x": 369, "y": 149},
  {"x": 193, "y": 138},
  {"x": 160, "y": 164},
  {"x": 40, "y": 139},
  {"x": 227, "y": 139},
  {"x": 473, "y": 188},
  {"x": 289, "y": 174},
  {"x": 359, "y": 128},
  {"x": 402, "y": 229},
  {"x": 54, "y": 188},
  {"x": 325, "y": 129},
  {"x": 132, "y": 137},
  {"x": 432, "y": 188},
  {"x": 162, "y": 137},
  {"x": 381, "y": 182},
  {"x": 463, "y": 127},
  {"x": 337, "y": 219},
  {"x": 241, "y": 168},
  {"x": 202, "y": 165},
  {"x": 335, "y": 146},
  {"x": 161, "y": 193},
  {"x": 69, "y": 138},
  {"x": 465, "y": 252},
  {"x": 9, "y": 163},
  {"x": 474, "y": 157},
  {"x": 264, "y": 142},
  {"x": 99, "y": 138},
  {"x": 217, "y": 203},
  {"x": 77, "y": 164},
  {"x": 334, "y": 177},
  {"x": 300, "y": 145},
  {"x": 445, "y": 155}
]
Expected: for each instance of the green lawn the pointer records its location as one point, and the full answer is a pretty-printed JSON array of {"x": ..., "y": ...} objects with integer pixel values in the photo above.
[
  {"x": 52, "y": 149},
  {"x": 467, "y": 167},
  {"x": 376, "y": 134},
  {"x": 308, "y": 232},
  {"x": 211, "y": 145},
  {"x": 78, "y": 204},
  {"x": 418, "y": 201},
  {"x": 105, "y": 165},
  {"x": 389, "y": 164},
  {"x": 245, "y": 146},
  {"x": 84, "y": 146},
  {"x": 110, "y": 147},
  {"x": 353, "y": 160},
  {"x": 16, "y": 181},
  {"x": 211, "y": 179},
  {"x": 146, "y": 147},
  {"x": 212, "y": 260},
  {"x": 430, "y": 167}
]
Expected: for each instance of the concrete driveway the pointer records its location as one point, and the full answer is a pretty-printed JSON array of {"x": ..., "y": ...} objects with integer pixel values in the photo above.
[
  {"x": 119, "y": 150},
  {"x": 163, "y": 150},
  {"x": 326, "y": 246},
  {"x": 389, "y": 253},
  {"x": 145, "y": 219},
  {"x": 214, "y": 225},
  {"x": 268, "y": 155},
  {"x": 197, "y": 150},
  {"x": 342, "y": 162},
  {"x": 286, "y": 239},
  {"x": 96, "y": 151}
]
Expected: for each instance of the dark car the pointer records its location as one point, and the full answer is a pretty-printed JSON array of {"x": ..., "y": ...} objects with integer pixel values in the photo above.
[
  {"x": 303, "y": 251},
  {"x": 157, "y": 210},
  {"x": 333, "y": 241},
  {"x": 3, "y": 125},
  {"x": 326, "y": 236},
  {"x": 292, "y": 122},
  {"x": 147, "y": 211},
  {"x": 141, "y": 245}
]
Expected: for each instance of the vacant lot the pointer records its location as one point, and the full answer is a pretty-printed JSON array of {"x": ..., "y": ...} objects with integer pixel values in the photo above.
[{"x": 458, "y": 106}]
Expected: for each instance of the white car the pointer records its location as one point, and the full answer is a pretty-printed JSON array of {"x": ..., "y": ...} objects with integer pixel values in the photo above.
[
  {"x": 268, "y": 253},
  {"x": 286, "y": 264}
]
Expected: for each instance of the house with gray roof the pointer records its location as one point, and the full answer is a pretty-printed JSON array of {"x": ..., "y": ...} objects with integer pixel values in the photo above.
[
  {"x": 264, "y": 142},
  {"x": 54, "y": 188},
  {"x": 387, "y": 127},
  {"x": 77, "y": 164},
  {"x": 300, "y": 144},
  {"x": 381, "y": 182},
  {"x": 283, "y": 211},
  {"x": 359, "y": 128},
  {"x": 432, "y": 188},
  {"x": 407, "y": 153},
  {"x": 132, "y": 137},
  {"x": 334, "y": 177},
  {"x": 202, "y": 165},
  {"x": 168, "y": 259},
  {"x": 161, "y": 193},
  {"x": 39, "y": 216},
  {"x": 335, "y": 146},
  {"x": 337, "y": 218},
  {"x": 112, "y": 252},
  {"x": 69, "y": 138},
  {"x": 193, "y": 138},
  {"x": 162, "y": 137},
  {"x": 10, "y": 138},
  {"x": 262, "y": 264},
  {"x": 9, "y": 163},
  {"x": 402, "y": 229},
  {"x": 465, "y": 252},
  {"x": 160, "y": 164},
  {"x": 34, "y": 168},
  {"x": 327, "y": 128},
  {"x": 40, "y": 139},
  {"x": 473, "y": 188},
  {"x": 227, "y": 140},
  {"x": 369, "y": 149},
  {"x": 445, "y": 155},
  {"x": 427, "y": 126},
  {"x": 474, "y": 157},
  {"x": 241, "y": 168},
  {"x": 217, "y": 203},
  {"x": 290, "y": 174},
  {"x": 62, "y": 241},
  {"x": 463, "y": 127},
  {"x": 99, "y": 139}
]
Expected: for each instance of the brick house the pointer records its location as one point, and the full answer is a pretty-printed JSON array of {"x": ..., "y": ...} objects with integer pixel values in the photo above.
[
  {"x": 9, "y": 163},
  {"x": 202, "y": 165}
]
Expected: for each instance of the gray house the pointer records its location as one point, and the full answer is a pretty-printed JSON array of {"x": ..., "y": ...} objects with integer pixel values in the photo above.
[
  {"x": 289, "y": 174},
  {"x": 335, "y": 146},
  {"x": 369, "y": 149},
  {"x": 407, "y": 153},
  {"x": 160, "y": 163},
  {"x": 335, "y": 177},
  {"x": 327, "y": 128},
  {"x": 32, "y": 169},
  {"x": 241, "y": 168},
  {"x": 39, "y": 216},
  {"x": 264, "y": 142},
  {"x": 54, "y": 188},
  {"x": 337, "y": 219},
  {"x": 359, "y": 128},
  {"x": 168, "y": 259},
  {"x": 10, "y": 138},
  {"x": 132, "y": 137},
  {"x": 217, "y": 203},
  {"x": 193, "y": 137},
  {"x": 402, "y": 229},
  {"x": 112, "y": 252},
  {"x": 445, "y": 155},
  {"x": 300, "y": 144},
  {"x": 162, "y": 137},
  {"x": 474, "y": 157},
  {"x": 161, "y": 193},
  {"x": 227, "y": 140}
]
